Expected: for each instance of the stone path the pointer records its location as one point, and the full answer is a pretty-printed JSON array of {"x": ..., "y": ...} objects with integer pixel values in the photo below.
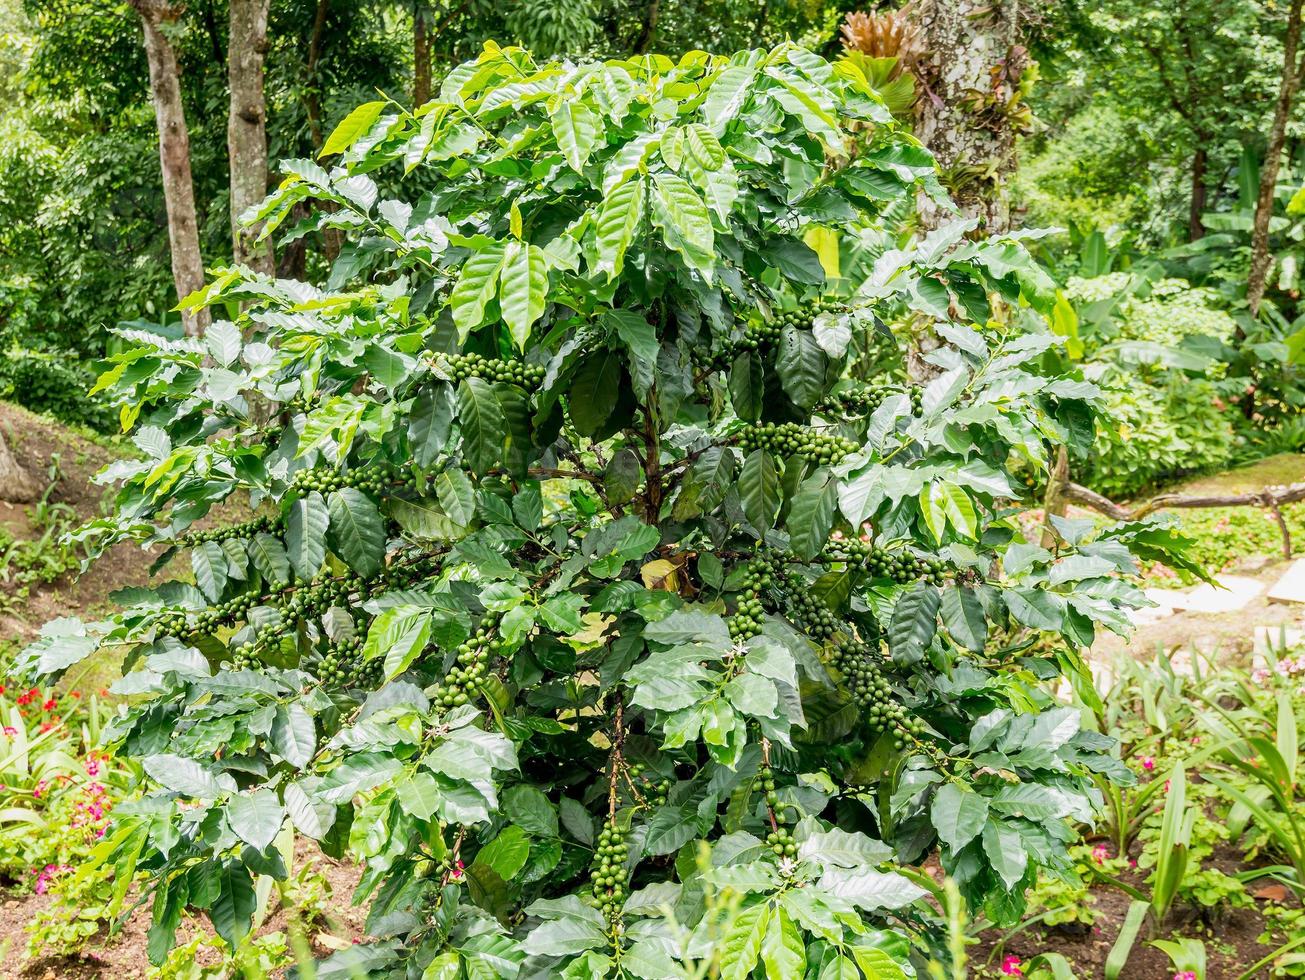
[
  {"x": 1228, "y": 623},
  {"x": 1291, "y": 587}
]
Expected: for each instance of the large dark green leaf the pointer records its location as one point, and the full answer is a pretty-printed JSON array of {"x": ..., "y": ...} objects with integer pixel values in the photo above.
[
  {"x": 233, "y": 911},
  {"x": 914, "y": 623},
  {"x": 482, "y": 424},
  {"x": 759, "y": 489},
  {"x": 305, "y": 534},
  {"x": 594, "y": 390},
  {"x": 812, "y": 515},
  {"x": 357, "y": 530},
  {"x": 431, "y": 422},
  {"x": 802, "y": 366},
  {"x": 963, "y": 615},
  {"x": 748, "y": 385}
]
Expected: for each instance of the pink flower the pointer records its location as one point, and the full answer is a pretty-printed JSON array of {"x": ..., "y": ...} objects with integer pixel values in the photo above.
[
  {"x": 1259, "y": 675},
  {"x": 10, "y": 731},
  {"x": 1100, "y": 854},
  {"x": 1185, "y": 975},
  {"x": 456, "y": 873},
  {"x": 1148, "y": 762},
  {"x": 1010, "y": 966}
]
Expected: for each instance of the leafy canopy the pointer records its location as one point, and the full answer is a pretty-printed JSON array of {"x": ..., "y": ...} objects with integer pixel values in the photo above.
[{"x": 607, "y": 590}]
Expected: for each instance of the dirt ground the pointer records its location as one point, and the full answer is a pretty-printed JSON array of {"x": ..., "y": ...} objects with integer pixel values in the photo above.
[
  {"x": 122, "y": 956},
  {"x": 36, "y": 442}
]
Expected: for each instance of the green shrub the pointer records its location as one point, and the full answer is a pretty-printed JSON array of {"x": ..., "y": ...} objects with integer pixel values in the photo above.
[
  {"x": 54, "y": 383},
  {"x": 584, "y": 606},
  {"x": 1159, "y": 428}
]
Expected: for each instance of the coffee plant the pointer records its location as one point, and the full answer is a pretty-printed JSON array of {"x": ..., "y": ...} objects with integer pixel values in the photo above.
[{"x": 577, "y": 588}]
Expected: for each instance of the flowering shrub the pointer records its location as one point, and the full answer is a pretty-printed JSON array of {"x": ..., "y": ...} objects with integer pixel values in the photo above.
[
  {"x": 1164, "y": 425},
  {"x": 57, "y": 794},
  {"x": 1167, "y": 311},
  {"x": 56, "y": 791}
]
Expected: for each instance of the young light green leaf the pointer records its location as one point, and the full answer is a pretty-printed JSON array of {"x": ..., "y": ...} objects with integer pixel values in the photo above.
[
  {"x": 685, "y": 224},
  {"x": 476, "y": 286},
  {"x": 523, "y": 290},
  {"x": 742, "y": 944},
  {"x": 575, "y": 127},
  {"x": 352, "y": 128},
  {"x": 782, "y": 951},
  {"x": 619, "y": 219}
]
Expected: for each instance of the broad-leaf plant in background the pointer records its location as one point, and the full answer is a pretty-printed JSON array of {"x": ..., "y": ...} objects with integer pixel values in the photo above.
[{"x": 603, "y": 585}]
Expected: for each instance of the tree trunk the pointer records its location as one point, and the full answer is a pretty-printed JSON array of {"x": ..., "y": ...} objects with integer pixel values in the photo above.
[
  {"x": 1054, "y": 503},
  {"x": 1272, "y": 159},
  {"x": 1195, "y": 228},
  {"x": 332, "y": 238},
  {"x": 652, "y": 14},
  {"x": 247, "y": 130},
  {"x": 17, "y": 486},
  {"x": 312, "y": 89},
  {"x": 968, "y": 115},
  {"x": 420, "y": 55},
  {"x": 174, "y": 155}
]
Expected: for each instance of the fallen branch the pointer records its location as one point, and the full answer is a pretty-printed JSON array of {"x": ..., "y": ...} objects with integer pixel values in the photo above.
[{"x": 1270, "y": 497}]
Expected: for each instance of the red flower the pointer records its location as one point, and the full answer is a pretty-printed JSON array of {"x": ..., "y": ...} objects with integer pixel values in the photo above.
[{"x": 49, "y": 705}]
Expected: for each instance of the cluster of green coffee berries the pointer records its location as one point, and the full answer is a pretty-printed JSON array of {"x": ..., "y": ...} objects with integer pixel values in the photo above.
[
  {"x": 401, "y": 574},
  {"x": 862, "y": 398},
  {"x": 654, "y": 793},
  {"x": 371, "y": 478},
  {"x": 188, "y": 626},
  {"x": 805, "y": 315},
  {"x": 779, "y": 839},
  {"x": 899, "y": 565},
  {"x": 762, "y": 572},
  {"x": 301, "y": 402},
  {"x": 207, "y": 622},
  {"x": 311, "y": 600},
  {"x": 342, "y": 665},
  {"x": 608, "y": 876},
  {"x": 463, "y": 680},
  {"x": 765, "y": 333},
  {"x": 806, "y": 612},
  {"x": 781, "y": 842},
  {"x": 747, "y": 618},
  {"x": 882, "y": 712},
  {"x": 245, "y": 656},
  {"x": 460, "y": 366},
  {"x": 792, "y": 439},
  {"x": 245, "y": 529}
]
